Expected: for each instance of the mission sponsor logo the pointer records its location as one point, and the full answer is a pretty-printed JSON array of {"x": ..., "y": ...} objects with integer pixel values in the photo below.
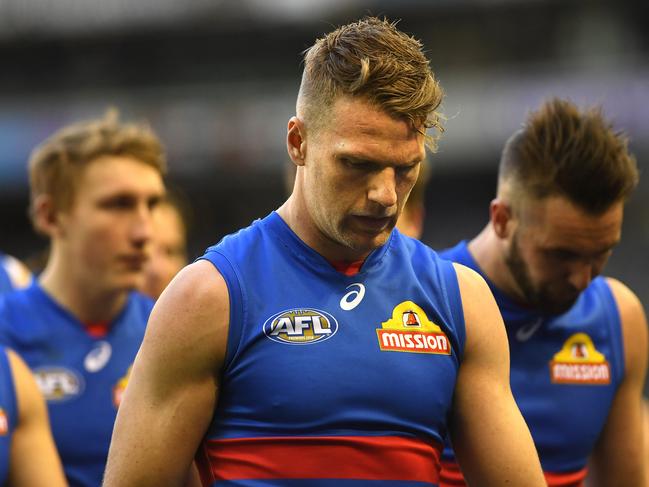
[
  {"x": 301, "y": 326},
  {"x": 58, "y": 383},
  {"x": 579, "y": 362},
  {"x": 410, "y": 330}
]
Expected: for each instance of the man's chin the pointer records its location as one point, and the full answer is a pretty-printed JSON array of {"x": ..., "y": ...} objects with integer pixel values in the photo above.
[
  {"x": 555, "y": 307},
  {"x": 367, "y": 243},
  {"x": 129, "y": 282}
]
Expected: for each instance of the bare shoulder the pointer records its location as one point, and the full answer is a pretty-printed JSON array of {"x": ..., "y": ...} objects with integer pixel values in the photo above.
[
  {"x": 632, "y": 313},
  {"x": 634, "y": 324},
  {"x": 191, "y": 314},
  {"x": 470, "y": 281},
  {"x": 17, "y": 364},
  {"x": 627, "y": 302},
  {"x": 197, "y": 287},
  {"x": 19, "y": 370},
  {"x": 482, "y": 319},
  {"x": 476, "y": 295},
  {"x": 28, "y": 395}
]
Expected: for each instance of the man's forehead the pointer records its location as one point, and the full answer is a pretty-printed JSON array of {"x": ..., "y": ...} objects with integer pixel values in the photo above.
[
  {"x": 376, "y": 136},
  {"x": 558, "y": 222},
  {"x": 119, "y": 174},
  {"x": 359, "y": 115}
]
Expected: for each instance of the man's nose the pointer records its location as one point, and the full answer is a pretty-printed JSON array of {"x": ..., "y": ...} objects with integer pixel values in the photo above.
[
  {"x": 581, "y": 275},
  {"x": 383, "y": 189}
]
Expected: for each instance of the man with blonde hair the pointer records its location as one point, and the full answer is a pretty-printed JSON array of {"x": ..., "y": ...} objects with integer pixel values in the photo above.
[
  {"x": 319, "y": 346},
  {"x": 93, "y": 188},
  {"x": 578, "y": 341}
]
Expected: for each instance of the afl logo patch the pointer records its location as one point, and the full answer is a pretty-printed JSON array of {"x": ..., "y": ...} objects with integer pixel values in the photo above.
[
  {"x": 58, "y": 383},
  {"x": 302, "y": 326}
]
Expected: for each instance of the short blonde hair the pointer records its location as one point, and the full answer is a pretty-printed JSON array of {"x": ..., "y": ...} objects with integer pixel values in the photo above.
[
  {"x": 372, "y": 59},
  {"x": 56, "y": 164}
]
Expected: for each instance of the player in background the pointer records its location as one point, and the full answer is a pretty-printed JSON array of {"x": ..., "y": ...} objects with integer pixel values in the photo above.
[
  {"x": 578, "y": 340},
  {"x": 318, "y": 346},
  {"x": 169, "y": 246},
  {"x": 94, "y": 186}
]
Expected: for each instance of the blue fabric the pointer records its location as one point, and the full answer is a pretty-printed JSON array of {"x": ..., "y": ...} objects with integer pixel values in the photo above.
[
  {"x": 342, "y": 383},
  {"x": 8, "y": 413},
  {"x": 5, "y": 281},
  {"x": 81, "y": 377},
  {"x": 565, "y": 419}
]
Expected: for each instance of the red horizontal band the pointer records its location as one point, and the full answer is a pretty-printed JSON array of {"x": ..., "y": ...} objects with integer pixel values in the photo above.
[
  {"x": 322, "y": 457},
  {"x": 567, "y": 479},
  {"x": 451, "y": 476}
]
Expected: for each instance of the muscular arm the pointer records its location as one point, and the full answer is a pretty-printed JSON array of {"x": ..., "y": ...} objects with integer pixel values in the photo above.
[
  {"x": 618, "y": 457},
  {"x": 491, "y": 440},
  {"x": 33, "y": 459},
  {"x": 173, "y": 388}
]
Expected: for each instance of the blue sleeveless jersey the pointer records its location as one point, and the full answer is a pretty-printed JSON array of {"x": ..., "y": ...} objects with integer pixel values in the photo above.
[
  {"x": 81, "y": 377},
  {"x": 5, "y": 281},
  {"x": 8, "y": 413},
  {"x": 565, "y": 371},
  {"x": 335, "y": 379}
]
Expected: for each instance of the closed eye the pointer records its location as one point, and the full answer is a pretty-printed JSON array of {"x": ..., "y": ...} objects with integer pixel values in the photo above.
[
  {"x": 119, "y": 202},
  {"x": 359, "y": 164}
]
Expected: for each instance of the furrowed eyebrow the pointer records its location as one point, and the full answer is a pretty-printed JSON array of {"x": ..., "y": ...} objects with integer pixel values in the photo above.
[
  {"x": 362, "y": 159},
  {"x": 568, "y": 251}
]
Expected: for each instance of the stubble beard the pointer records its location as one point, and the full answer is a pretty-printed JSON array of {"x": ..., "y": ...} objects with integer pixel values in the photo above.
[
  {"x": 536, "y": 297},
  {"x": 345, "y": 236}
]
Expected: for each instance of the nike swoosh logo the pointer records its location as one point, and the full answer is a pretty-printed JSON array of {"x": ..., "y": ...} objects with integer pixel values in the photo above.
[{"x": 526, "y": 331}]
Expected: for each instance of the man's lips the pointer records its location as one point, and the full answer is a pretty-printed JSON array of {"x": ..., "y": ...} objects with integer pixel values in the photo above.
[
  {"x": 373, "y": 223},
  {"x": 134, "y": 261}
]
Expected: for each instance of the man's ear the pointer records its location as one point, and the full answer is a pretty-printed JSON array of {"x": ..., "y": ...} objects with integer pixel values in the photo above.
[
  {"x": 296, "y": 141},
  {"x": 501, "y": 217},
  {"x": 45, "y": 215}
]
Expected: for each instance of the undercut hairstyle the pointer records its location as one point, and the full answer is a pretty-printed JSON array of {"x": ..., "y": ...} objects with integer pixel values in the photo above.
[
  {"x": 371, "y": 59},
  {"x": 572, "y": 153},
  {"x": 55, "y": 166}
]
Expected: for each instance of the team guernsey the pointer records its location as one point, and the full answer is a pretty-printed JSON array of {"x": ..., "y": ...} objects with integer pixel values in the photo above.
[
  {"x": 81, "y": 376},
  {"x": 332, "y": 379},
  {"x": 5, "y": 279},
  {"x": 7, "y": 271},
  {"x": 8, "y": 413},
  {"x": 565, "y": 370}
]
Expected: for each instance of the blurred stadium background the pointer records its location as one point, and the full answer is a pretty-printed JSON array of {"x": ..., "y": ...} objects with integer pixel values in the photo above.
[{"x": 217, "y": 80}]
